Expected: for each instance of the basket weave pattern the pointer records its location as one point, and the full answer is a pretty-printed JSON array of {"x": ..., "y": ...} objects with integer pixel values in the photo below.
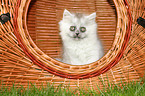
[{"x": 22, "y": 61}]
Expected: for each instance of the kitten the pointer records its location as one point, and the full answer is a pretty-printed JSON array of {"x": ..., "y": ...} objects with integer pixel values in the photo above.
[{"x": 81, "y": 44}]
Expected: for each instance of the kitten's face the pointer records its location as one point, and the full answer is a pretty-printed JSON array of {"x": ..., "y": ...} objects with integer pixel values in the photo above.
[{"x": 76, "y": 26}]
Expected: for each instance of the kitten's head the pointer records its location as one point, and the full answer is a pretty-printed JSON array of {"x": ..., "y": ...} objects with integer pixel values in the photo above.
[{"x": 77, "y": 26}]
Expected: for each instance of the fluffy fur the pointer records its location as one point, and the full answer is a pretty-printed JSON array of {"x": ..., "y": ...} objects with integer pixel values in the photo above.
[{"x": 83, "y": 48}]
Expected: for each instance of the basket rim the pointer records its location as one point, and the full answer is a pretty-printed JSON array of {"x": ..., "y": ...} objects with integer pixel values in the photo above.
[{"x": 40, "y": 61}]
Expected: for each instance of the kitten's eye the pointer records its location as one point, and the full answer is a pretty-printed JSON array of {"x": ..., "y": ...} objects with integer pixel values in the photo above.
[
  {"x": 72, "y": 28},
  {"x": 82, "y": 29}
]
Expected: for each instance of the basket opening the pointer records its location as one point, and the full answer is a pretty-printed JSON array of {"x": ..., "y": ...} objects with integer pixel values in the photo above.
[{"x": 44, "y": 15}]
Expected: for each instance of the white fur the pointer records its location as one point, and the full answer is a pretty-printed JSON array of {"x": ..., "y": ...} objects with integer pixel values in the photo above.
[{"x": 82, "y": 51}]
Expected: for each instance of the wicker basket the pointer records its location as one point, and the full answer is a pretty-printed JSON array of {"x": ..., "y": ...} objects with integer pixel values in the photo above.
[{"x": 23, "y": 59}]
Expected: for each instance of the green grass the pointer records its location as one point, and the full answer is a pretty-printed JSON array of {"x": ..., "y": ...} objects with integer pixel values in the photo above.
[{"x": 131, "y": 89}]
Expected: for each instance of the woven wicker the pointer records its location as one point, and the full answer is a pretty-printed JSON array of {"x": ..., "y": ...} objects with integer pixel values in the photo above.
[{"x": 28, "y": 56}]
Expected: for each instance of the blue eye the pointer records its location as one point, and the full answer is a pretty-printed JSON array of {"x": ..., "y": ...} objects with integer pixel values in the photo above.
[
  {"x": 72, "y": 28},
  {"x": 82, "y": 29}
]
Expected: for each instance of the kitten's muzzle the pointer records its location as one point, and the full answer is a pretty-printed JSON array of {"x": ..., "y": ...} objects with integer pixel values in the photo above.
[{"x": 77, "y": 34}]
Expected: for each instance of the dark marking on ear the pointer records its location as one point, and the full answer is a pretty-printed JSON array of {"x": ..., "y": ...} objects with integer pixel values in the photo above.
[{"x": 78, "y": 15}]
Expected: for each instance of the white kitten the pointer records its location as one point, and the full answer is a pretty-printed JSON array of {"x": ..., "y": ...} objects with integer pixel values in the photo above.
[{"x": 81, "y": 44}]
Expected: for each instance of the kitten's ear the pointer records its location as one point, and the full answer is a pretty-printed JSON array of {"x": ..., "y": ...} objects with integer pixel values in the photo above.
[
  {"x": 92, "y": 16},
  {"x": 66, "y": 14}
]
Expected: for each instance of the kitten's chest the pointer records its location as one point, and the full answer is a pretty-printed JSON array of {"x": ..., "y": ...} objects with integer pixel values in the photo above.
[
  {"x": 80, "y": 52},
  {"x": 79, "y": 48}
]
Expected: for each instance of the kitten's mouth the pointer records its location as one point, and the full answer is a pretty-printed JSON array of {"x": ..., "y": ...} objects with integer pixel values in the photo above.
[{"x": 76, "y": 37}]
